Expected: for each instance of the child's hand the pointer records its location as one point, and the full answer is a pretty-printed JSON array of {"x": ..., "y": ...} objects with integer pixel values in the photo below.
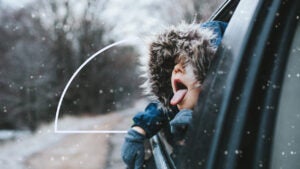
[
  {"x": 180, "y": 123},
  {"x": 151, "y": 120},
  {"x": 133, "y": 149}
]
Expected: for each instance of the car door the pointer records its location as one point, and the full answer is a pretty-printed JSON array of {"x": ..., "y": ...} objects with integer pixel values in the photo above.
[{"x": 244, "y": 96}]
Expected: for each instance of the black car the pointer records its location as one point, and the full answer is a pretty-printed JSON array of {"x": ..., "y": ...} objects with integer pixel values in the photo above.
[{"x": 248, "y": 114}]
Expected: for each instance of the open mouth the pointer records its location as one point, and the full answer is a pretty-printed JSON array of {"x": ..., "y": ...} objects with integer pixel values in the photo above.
[
  {"x": 179, "y": 85},
  {"x": 180, "y": 92}
]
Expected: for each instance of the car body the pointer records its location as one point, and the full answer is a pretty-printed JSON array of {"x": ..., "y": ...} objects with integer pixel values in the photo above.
[{"x": 248, "y": 113}]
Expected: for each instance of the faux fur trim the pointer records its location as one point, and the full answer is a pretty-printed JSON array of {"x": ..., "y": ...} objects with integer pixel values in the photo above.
[{"x": 185, "y": 41}]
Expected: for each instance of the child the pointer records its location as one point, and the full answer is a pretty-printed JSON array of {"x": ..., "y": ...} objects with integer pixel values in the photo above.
[{"x": 179, "y": 60}]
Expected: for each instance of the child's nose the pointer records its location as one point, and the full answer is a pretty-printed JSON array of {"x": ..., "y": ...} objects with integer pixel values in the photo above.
[{"x": 178, "y": 68}]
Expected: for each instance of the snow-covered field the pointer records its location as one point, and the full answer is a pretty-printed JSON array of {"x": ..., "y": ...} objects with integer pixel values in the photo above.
[{"x": 48, "y": 150}]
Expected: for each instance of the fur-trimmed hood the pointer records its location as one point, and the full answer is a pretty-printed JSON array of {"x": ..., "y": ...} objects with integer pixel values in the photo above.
[{"x": 191, "y": 42}]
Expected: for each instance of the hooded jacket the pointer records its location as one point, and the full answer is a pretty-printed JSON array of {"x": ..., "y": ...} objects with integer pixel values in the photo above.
[{"x": 194, "y": 44}]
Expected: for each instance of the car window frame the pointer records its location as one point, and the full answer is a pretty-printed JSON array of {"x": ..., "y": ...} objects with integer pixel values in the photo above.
[{"x": 209, "y": 97}]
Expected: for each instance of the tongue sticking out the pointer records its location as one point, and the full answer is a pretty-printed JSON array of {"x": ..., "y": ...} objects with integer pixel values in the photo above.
[{"x": 178, "y": 96}]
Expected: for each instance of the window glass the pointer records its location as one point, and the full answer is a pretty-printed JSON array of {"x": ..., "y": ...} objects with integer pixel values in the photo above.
[{"x": 286, "y": 151}]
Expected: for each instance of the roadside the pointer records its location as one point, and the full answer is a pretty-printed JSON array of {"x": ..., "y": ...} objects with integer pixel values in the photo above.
[{"x": 48, "y": 150}]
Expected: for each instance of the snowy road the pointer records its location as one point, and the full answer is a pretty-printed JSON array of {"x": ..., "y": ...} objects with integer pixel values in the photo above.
[{"x": 48, "y": 150}]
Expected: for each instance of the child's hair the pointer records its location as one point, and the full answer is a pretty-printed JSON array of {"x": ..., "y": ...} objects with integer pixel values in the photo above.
[{"x": 189, "y": 43}]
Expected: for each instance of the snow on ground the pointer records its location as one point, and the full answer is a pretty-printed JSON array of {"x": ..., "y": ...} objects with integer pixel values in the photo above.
[{"x": 48, "y": 150}]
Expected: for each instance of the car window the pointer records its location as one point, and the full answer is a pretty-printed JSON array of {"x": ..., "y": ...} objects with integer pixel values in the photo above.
[{"x": 286, "y": 147}]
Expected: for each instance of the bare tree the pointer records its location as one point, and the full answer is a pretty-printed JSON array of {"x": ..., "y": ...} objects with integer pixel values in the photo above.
[
  {"x": 40, "y": 48},
  {"x": 24, "y": 56}
]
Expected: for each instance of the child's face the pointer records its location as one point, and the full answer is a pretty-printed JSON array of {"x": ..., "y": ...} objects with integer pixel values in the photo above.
[{"x": 185, "y": 87}]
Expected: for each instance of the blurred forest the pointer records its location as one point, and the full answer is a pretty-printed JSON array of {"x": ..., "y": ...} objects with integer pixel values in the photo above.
[{"x": 44, "y": 41}]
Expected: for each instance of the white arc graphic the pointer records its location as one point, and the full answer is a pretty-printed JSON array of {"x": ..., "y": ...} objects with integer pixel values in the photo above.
[{"x": 70, "y": 81}]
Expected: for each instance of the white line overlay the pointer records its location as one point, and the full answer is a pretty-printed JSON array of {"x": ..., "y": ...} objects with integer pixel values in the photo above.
[{"x": 132, "y": 39}]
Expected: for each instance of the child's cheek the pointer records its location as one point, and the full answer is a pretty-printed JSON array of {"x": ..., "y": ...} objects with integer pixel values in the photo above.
[{"x": 189, "y": 72}]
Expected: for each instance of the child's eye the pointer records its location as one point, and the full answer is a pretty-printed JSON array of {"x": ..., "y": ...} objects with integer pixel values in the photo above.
[{"x": 185, "y": 63}]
